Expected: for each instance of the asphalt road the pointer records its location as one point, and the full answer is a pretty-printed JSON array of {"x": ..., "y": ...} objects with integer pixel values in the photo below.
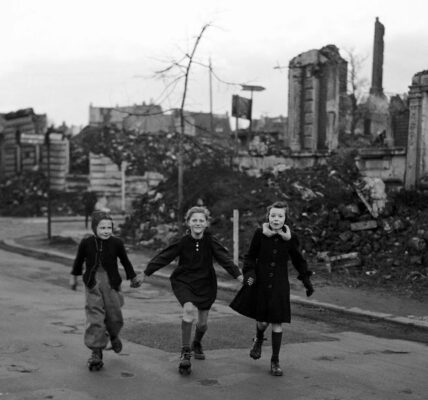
[{"x": 42, "y": 354}]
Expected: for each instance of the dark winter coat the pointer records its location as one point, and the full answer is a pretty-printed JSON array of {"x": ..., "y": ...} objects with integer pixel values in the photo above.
[
  {"x": 92, "y": 251},
  {"x": 268, "y": 299},
  {"x": 194, "y": 279}
]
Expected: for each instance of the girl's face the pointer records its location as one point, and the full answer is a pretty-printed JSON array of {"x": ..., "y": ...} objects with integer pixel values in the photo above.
[
  {"x": 105, "y": 229},
  {"x": 197, "y": 224},
  {"x": 277, "y": 218}
]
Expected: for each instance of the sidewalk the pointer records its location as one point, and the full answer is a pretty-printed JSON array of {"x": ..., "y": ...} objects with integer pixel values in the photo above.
[{"x": 349, "y": 301}]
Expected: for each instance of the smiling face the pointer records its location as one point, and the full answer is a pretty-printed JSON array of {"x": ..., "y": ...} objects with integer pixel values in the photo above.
[
  {"x": 104, "y": 229},
  {"x": 276, "y": 218},
  {"x": 197, "y": 222}
]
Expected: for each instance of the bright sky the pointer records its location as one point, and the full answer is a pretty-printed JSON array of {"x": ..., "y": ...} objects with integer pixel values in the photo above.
[{"x": 59, "y": 56}]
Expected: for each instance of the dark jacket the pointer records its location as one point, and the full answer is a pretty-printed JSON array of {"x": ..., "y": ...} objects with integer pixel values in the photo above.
[
  {"x": 268, "y": 299},
  {"x": 92, "y": 250},
  {"x": 194, "y": 279}
]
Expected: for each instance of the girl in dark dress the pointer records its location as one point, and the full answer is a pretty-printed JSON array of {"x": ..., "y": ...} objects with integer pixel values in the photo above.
[
  {"x": 265, "y": 295},
  {"x": 194, "y": 280}
]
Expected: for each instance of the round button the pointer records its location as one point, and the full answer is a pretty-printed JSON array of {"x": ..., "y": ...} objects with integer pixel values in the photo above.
[
  {"x": 272, "y": 264},
  {"x": 270, "y": 287},
  {"x": 275, "y": 251}
]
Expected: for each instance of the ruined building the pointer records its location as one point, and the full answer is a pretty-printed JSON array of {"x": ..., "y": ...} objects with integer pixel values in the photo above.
[{"x": 317, "y": 89}]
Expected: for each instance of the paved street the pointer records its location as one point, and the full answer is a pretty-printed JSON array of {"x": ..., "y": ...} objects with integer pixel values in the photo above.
[{"x": 42, "y": 354}]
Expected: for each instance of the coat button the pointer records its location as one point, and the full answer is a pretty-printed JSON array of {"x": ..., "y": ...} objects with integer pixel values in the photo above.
[
  {"x": 275, "y": 251},
  {"x": 272, "y": 264},
  {"x": 270, "y": 287}
]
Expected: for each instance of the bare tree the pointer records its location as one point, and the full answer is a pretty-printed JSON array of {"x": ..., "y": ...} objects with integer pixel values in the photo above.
[
  {"x": 357, "y": 86},
  {"x": 185, "y": 73}
]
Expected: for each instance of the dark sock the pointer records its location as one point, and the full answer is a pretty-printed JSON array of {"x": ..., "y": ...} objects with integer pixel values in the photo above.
[
  {"x": 276, "y": 345},
  {"x": 186, "y": 333},
  {"x": 260, "y": 333},
  {"x": 200, "y": 332}
]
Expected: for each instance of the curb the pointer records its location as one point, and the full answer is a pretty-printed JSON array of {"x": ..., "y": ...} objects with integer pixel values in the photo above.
[{"x": 11, "y": 245}]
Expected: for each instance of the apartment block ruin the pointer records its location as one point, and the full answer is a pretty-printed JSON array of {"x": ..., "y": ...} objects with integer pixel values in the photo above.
[{"x": 317, "y": 89}]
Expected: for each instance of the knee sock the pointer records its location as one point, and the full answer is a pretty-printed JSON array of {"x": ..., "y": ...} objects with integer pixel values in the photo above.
[
  {"x": 199, "y": 332},
  {"x": 186, "y": 333},
  {"x": 260, "y": 331},
  {"x": 276, "y": 345}
]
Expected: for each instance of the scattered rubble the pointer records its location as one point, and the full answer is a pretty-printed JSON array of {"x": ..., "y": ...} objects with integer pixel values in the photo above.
[{"x": 351, "y": 230}]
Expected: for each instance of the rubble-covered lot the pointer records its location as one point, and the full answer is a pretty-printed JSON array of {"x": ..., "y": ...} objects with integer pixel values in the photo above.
[{"x": 329, "y": 211}]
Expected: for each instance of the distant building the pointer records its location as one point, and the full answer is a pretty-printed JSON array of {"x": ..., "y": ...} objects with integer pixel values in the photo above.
[
  {"x": 22, "y": 135},
  {"x": 151, "y": 119}
]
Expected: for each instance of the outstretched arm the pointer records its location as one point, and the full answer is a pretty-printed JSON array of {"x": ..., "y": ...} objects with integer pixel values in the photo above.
[
  {"x": 223, "y": 257},
  {"x": 163, "y": 258}
]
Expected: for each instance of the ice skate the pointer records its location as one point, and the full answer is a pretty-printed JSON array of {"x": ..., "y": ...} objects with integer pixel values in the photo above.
[
  {"x": 95, "y": 362},
  {"x": 198, "y": 352},
  {"x": 185, "y": 366},
  {"x": 256, "y": 350}
]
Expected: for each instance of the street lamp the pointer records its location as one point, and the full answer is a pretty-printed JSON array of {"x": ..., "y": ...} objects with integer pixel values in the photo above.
[{"x": 252, "y": 88}]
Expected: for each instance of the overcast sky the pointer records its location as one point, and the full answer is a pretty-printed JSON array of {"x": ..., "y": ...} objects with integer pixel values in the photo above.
[{"x": 60, "y": 56}]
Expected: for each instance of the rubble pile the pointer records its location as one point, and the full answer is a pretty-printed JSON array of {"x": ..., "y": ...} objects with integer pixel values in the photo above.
[{"x": 345, "y": 228}]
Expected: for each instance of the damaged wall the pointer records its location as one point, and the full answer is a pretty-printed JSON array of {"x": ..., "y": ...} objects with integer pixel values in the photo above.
[{"x": 317, "y": 85}]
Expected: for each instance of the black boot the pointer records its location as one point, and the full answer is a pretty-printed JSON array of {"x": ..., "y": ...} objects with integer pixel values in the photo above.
[
  {"x": 198, "y": 352},
  {"x": 275, "y": 369}
]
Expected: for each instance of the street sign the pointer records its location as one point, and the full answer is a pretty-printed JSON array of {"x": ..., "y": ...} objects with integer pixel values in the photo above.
[{"x": 32, "y": 138}]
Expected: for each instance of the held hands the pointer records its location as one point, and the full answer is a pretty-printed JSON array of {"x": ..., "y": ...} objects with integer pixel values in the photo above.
[
  {"x": 240, "y": 278},
  {"x": 73, "y": 282},
  {"x": 136, "y": 282}
]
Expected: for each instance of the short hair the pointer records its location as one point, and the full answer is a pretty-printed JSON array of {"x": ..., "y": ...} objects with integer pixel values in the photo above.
[
  {"x": 197, "y": 209},
  {"x": 277, "y": 204}
]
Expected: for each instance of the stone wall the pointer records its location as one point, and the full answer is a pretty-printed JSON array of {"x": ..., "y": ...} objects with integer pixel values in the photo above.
[{"x": 317, "y": 86}]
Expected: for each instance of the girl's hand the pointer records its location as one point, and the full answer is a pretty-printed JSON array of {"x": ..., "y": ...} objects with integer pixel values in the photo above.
[
  {"x": 136, "y": 282},
  {"x": 73, "y": 282}
]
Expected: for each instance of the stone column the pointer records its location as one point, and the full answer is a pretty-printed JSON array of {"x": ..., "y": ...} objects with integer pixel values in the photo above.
[
  {"x": 377, "y": 64},
  {"x": 295, "y": 79},
  {"x": 416, "y": 174}
]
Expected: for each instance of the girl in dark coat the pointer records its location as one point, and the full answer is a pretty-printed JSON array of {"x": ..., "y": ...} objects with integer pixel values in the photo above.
[
  {"x": 194, "y": 280},
  {"x": 265, "y": 295}
]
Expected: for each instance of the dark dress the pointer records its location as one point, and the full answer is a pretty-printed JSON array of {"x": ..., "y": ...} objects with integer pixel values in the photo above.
[
  {"x": 194, "y": 279},
  {"x": 268, "y": 299}
]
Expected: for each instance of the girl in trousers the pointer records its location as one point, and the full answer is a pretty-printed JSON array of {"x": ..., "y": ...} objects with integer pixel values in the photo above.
[
  {"x": 102, "y": 280},
  {"x": 194, "y": 280},
  {"x": 265, "y": 295}
]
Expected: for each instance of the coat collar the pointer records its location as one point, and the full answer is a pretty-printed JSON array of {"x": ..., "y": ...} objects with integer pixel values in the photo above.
[{"x": 284, "y": 233}]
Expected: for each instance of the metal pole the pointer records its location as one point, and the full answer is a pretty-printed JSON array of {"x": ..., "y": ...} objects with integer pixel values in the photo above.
[
  {"x": 236, "y": 236},
  {"x": 123, "y": 166},
  {"x": 48, "y": 146}
]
